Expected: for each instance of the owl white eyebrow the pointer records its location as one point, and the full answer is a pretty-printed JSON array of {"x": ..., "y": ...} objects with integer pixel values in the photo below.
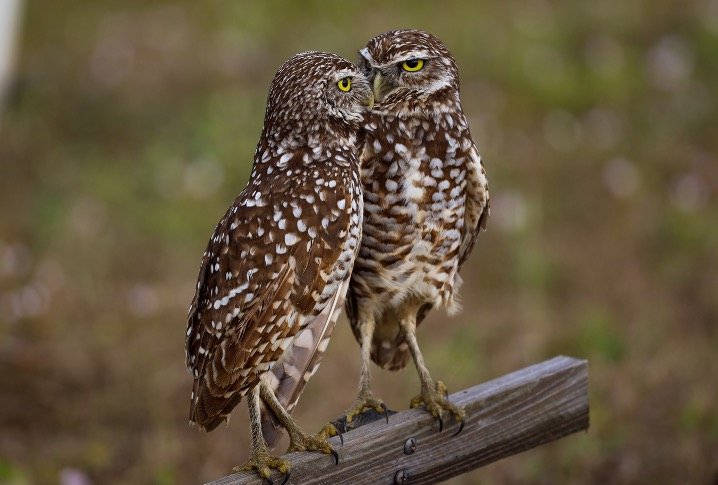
[
  {"x": 345, "y": 73},
  {"x": 414, "y": 55}
]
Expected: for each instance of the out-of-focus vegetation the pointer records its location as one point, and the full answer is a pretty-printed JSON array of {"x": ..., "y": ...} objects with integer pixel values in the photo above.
[{"x": 130, "y": 126}]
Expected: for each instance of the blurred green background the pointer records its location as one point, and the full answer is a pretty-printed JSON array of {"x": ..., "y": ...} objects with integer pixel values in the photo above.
[{"x": 129, "y": 127}]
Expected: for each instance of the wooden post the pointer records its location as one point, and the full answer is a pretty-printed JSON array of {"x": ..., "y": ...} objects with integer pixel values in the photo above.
[{"x": 505, "y": 416}]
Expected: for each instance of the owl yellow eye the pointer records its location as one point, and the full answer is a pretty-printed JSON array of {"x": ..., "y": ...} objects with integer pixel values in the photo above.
[
  {"x": 412, "y": 65},
  {"x": 345, "y": 84}
]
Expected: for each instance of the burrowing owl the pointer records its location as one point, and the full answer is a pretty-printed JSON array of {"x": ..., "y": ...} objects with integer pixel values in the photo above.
[
  {"x": 276, "y": 269},
  {"x": 425, "y": 200}
]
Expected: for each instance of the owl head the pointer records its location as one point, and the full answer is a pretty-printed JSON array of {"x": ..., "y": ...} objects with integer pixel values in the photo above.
[
  {"x": 316, "y": 95},
  {"x": 408, "y": 63}
]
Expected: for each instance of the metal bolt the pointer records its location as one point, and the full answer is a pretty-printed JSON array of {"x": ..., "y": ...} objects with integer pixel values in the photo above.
[
  {"x": 410, "y": 446},
  {"x": 402, "y": 476}
]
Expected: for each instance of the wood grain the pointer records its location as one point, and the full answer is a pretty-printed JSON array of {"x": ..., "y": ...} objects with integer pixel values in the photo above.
[{"x": 505, "y": 416}]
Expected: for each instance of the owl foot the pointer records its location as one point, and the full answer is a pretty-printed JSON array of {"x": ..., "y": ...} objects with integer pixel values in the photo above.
[
  {"x": 263, "y": 463},
  {"x": 298, "y": 441},
  {"x": 435, "y": 401},
  {"x": 365, "y": 402}
]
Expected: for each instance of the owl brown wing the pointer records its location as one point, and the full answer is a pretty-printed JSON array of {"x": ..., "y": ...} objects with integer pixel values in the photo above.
[
  {"x": 254, "y": 285},
  {"x": 476, "y": 212}
]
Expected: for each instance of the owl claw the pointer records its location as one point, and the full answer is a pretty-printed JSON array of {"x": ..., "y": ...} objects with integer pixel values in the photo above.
[
  {"x": 435, "y": 402},
  {"x": 286, "y": 478},
  {"x": 302, "y": 442},
  {"x": 462, "y": 422},
  {"x": 386, "y": 412}
]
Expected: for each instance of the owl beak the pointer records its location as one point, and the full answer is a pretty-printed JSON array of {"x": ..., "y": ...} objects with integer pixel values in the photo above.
[
  {"x": 377, "y": 85},
  {"x": 370, "y": 101}
]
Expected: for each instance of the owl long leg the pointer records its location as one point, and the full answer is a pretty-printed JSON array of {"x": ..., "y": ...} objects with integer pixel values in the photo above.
[
  {"x": 260, "y": 460},
  {"x": 365, "y": 400},
  {"x": 298, "y": 439},
  {"x": 433, "y": 397}
]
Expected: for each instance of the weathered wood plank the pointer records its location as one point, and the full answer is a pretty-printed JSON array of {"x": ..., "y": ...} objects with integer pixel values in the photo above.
[{"x": 505, "y": 416}]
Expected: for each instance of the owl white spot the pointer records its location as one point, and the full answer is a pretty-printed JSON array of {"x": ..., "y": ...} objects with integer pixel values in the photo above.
[
  {"x": 428, "y": 182},
  {"x": 332, "y": 184},
  {"x": 443, "y": 185},
  {"x": 285, "y": 158},
  {"x": 312, "y": 232},
  {"x": 400, "y": 149},
  {"x": 391, "y": 185},
  {"x": 268, "y": 258},
  {"x": 342, "y": 203},
  {"x": 301, "y": 226},
  {"x": 325, "y": 222},
  {"x": 248, "y": 297},
  {"x": 297, "y": 211},
  {"x": 377, "y": 145},
  {"x": 202, "y": 351},
  {"x": 270, "y": 170},
  {"x": 216, "y": 304},
  {"x": 281, "y": 249},
  {"x": 282, "y": 224},
  {"x": 260, "y": 231},
  {"x": 290, "y": 239}
]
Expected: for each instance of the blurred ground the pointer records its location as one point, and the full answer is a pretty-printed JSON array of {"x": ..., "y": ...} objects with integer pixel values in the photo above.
[{"x": 130, "y": 127}]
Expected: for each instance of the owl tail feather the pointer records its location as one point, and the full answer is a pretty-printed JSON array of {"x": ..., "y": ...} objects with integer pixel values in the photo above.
[{"x": 298, "y": 363}]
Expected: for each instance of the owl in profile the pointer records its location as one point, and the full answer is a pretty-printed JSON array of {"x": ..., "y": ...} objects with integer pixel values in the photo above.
[
  {"x": 426, "y": 199},
  {"x": 276, "y": 269}
]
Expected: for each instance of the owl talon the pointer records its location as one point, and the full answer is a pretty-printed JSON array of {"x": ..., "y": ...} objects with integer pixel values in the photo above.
[
  {"x": 435, "y": 402},
  {"x": 366, "y": 401},
  {"x": 386, "y": 412},
  {"x": 286, "y": 478},
  {"x": 263, "y": 463},
  {"x": 462, "y": 422},
  {"x": 301, "y": 442}
]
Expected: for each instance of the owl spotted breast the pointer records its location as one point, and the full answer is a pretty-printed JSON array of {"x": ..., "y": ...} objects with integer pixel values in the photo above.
[
  {"x": 277, "y": 266},
  {"x": 425, "y": 200}
]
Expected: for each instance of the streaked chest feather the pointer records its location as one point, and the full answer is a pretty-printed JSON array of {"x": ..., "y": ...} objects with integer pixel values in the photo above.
[{"x": 414, "y": 173}]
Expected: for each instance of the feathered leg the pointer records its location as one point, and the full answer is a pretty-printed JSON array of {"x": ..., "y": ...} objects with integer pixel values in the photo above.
[
  {"x": 365, "y": 400},
  {"x": 433, "y": 397},
  {"x": 260, "y": 460},
  {"x": 298, "y": 439}
]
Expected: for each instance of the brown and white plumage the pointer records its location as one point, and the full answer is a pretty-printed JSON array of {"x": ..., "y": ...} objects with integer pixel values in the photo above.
[
  {"x": 425, "y": 197},
  {"x": 280, "y": 258}
]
